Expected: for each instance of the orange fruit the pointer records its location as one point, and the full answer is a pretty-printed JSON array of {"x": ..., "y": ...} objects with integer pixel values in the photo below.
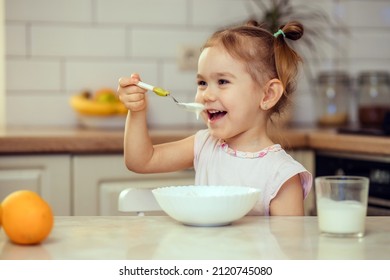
[
  {"x": 27, "y": 218},
  {"x": 1, "y": 214}
]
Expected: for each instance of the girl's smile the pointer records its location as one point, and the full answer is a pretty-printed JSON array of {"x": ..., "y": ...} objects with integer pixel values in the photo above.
[{"x": 215, "y": 115}]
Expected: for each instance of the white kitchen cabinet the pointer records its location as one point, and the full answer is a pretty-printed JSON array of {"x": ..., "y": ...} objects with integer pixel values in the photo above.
[
  {"x": 91, "y": 184},
  {"x": 99, "y": 179},
  {"x": 48, "y": 175}
]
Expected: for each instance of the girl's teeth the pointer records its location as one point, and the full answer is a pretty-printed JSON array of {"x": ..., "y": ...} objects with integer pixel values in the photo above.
[{"x": 216, "y": 114}]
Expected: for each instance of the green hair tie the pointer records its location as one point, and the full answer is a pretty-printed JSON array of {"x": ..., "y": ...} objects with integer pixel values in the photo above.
[{"x": 277, "y": 33}]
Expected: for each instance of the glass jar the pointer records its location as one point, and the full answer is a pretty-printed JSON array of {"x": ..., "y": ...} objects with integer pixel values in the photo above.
[
  {"x": 333, "y": 98},
  {"x": 374, "y": 98}
]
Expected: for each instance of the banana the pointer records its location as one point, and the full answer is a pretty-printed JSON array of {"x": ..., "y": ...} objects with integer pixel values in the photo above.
[
  {"x": 87, "y": 106},
  {"x": 121, "y": 109}
]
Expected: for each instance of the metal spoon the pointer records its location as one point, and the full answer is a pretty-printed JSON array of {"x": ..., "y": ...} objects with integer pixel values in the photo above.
[{"x": 192, "y": 107}]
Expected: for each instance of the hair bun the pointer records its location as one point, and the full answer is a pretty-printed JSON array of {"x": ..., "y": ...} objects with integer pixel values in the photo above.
[
  {"x": 252, "y": 22},
  {"x": 293, "y": 30}
]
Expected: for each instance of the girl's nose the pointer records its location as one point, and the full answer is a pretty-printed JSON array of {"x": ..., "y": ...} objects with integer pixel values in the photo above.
[{"x": 208, "y": 95}]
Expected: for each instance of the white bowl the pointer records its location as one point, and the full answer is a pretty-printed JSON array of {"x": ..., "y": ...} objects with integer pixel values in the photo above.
[{"x": 206, "y": 205}]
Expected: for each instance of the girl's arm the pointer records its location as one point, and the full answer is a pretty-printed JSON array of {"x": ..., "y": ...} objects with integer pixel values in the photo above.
[
  {"x": 139, "y": 152},
  {"x": 289, "y": 200}
]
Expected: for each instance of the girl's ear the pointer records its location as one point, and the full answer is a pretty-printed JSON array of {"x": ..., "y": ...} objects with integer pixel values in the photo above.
[{"x": 273, "y": 91}]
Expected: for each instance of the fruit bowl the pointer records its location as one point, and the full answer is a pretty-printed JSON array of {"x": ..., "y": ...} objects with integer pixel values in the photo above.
[
  {"x": 102, "y": 122},
  {"x": 100, "y": 110},
  {"x": 206, "y": 205}
]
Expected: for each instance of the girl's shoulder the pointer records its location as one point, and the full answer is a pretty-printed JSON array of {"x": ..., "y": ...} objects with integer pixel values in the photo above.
[
  {"x": 204, "y": 139},
  {"x": 202, "y": 135}
]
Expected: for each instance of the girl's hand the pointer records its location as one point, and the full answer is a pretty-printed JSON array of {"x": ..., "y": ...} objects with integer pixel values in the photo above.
[{"x": 132, "y": 96}]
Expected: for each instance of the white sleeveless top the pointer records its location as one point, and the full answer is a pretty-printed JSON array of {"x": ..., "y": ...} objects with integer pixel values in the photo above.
[{"x": 217, "y": 164}]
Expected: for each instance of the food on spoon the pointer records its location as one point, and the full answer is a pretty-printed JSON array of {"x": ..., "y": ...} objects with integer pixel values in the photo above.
[{"x": 197, "y": 108}]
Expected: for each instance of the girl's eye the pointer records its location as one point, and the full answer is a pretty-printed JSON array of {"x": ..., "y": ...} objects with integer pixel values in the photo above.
[
  {"x": 201, "y": 83},
  {"x": 223, "y": 82}
]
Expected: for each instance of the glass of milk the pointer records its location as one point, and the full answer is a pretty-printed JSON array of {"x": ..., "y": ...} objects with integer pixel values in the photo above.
[{"x": 341, "y": 205}]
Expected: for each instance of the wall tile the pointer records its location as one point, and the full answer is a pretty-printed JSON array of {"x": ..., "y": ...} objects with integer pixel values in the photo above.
[
  {"x": 16, "y": 39},
  {"x": 164, "y": 42},
  {"x": 49, "y": 40},
  {"x": 40, "y": 110},
  {"x": 220, "y": 12},
  {"x": 142, "y": 11},
  {"x": 324, "y": 6},
  {"x": 304, "y": 109},
  {"x": 34, "y": 74},
  {"x": 368, "y": 64},
  {"x": 369, "y": 44},
  {"x": 331, "y": 64},
  {"x": 177, "y": 80},
  {"x": 57, "y": 47},
  {"x": 365, "y": 13},
  {"x": 49, "y": 10},
  {"x": 238, "y": 11},
  {"x": 93, "y": 75}
]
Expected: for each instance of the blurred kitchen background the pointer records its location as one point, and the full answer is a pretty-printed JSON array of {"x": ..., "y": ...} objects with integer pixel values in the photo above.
[
  {"x": 56, "y": 48},
  {"x": 51, "y": 50}
]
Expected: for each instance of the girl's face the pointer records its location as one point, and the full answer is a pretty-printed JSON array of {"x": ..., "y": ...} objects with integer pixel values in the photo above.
[{"x": 231, "y": 98}]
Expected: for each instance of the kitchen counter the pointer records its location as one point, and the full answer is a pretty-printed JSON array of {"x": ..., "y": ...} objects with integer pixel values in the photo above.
[
  {"x": 71, "y": 140},
  {"x": 92, "y": 141},
  {"x": 81, "y": 141},
  {"x": 160, "y": 237},
  {"x": 331, "y": 140}
]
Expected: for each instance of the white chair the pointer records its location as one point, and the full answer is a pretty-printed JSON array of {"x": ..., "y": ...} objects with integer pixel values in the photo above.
[{"x": 138, "y": 200}]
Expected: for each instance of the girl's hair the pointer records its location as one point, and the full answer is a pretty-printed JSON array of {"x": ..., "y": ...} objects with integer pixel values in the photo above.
[{"x": 266, "y": 56}]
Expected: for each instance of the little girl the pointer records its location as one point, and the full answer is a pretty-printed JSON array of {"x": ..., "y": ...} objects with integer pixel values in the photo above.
[{"x": 245, "y": 74}]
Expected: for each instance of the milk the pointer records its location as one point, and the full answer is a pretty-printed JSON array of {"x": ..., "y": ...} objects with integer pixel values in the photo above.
[{"x": 341, "y": 217}]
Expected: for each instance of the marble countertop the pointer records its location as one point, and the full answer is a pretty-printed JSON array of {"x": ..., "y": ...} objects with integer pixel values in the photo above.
[{"x": 160, "y": 237}]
